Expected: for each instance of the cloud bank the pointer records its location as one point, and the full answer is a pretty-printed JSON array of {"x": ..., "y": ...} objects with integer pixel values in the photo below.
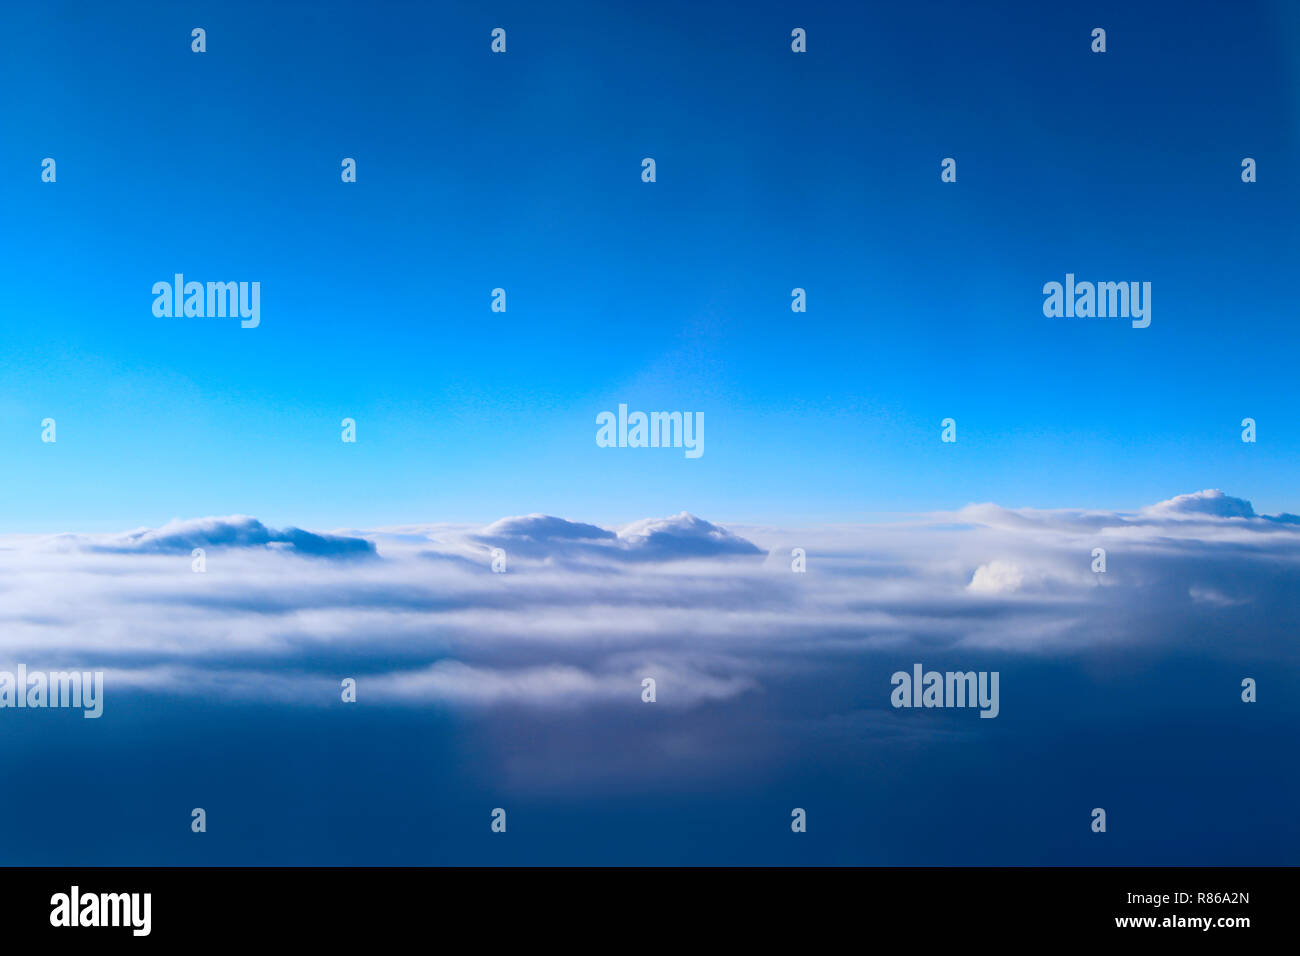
[{"x": 584, "y": 613}]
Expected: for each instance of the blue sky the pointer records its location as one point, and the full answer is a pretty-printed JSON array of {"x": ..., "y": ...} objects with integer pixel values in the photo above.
[{"x": 521, "y": 170}]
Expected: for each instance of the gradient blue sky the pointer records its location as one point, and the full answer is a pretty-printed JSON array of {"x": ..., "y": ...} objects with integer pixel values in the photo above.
[{"x": 775, "y": 170}]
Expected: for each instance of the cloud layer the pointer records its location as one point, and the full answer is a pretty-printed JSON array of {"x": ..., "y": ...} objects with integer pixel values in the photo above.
[{"x": 583, "y": 614}]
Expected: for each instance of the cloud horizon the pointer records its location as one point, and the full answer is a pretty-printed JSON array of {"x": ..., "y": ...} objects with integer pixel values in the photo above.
[{"x": 583, "y": 613}]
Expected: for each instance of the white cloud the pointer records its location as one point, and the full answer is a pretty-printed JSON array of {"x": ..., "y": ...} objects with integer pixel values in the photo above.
[
  {"x": 234, "y": 531},
  {"x": 584, "y": 613},
  {"x": 683, "y": 535},
  {"x": 997, "y": 577},
  {"x": 1212, "y": 502}
]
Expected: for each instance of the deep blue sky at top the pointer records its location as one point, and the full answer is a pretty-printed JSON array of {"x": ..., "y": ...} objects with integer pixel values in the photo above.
[{"x": 775, "y": 170}]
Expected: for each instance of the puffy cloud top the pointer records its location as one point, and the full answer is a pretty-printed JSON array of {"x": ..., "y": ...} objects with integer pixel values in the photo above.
[
  {"x": 997, "y": 577},
  {"x": 235, "y": 531},
  {"x": 538, "y": 527},
  {"x": 1202, "y": 508},
  {"x": 1212, "y": 502},
  {"x": 684, "y": 535},
  {"x": 654, "y": 539}
]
